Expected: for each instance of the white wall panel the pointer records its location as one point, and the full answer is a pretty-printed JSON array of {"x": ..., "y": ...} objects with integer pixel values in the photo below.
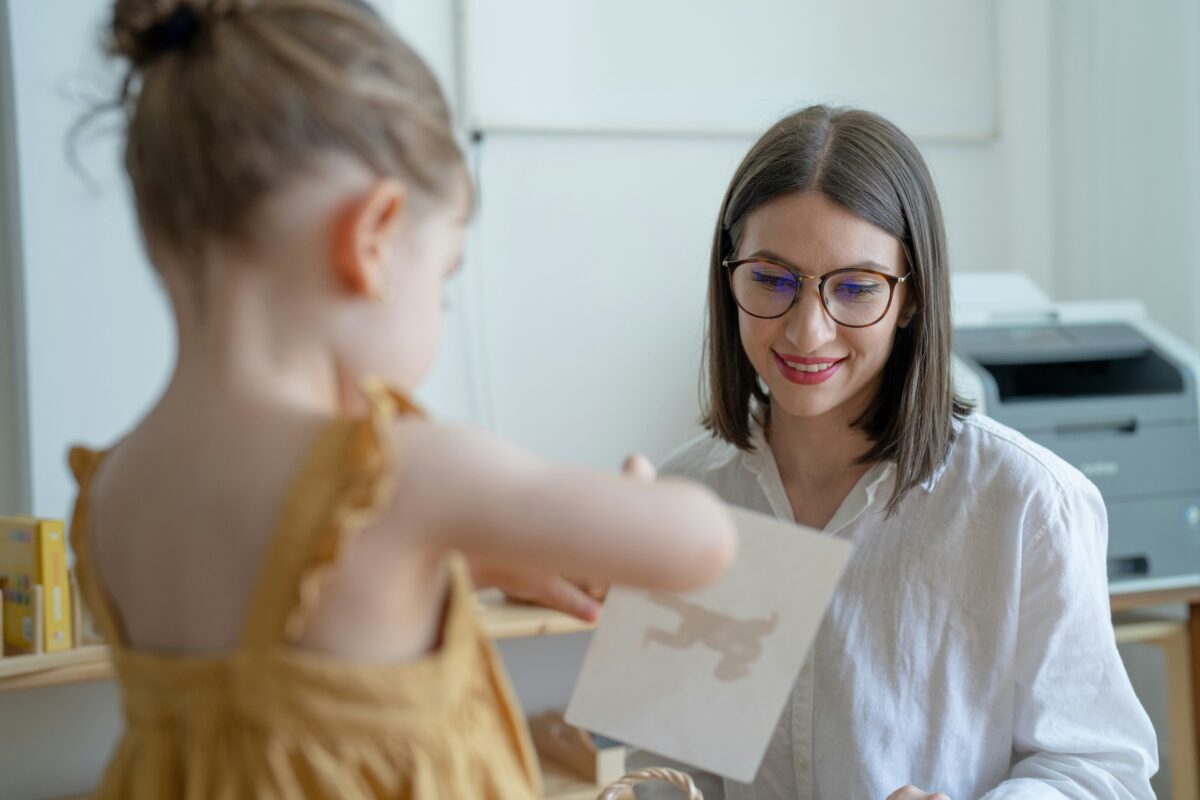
[
  {"x": 97, "y": 336},
  {"x": 14, "y": 455},
  {"x": 710, "y": 65},
  {"x": 592, "y": 264},
  {"x": 1127, "y": 167}
]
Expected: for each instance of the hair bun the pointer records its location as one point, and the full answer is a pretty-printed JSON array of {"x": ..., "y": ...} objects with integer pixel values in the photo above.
[
  {"x": 138, "y": 26},
  {"x": 144, "y": 29}
]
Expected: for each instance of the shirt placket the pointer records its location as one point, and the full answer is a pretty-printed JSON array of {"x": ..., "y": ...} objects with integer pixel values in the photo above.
[
  {"x": 802, "y": 730},
  {"x": 802, "y": 706}
]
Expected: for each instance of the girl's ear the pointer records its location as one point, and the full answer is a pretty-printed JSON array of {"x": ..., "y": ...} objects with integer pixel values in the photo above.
[{"x": 363, "y": 237}]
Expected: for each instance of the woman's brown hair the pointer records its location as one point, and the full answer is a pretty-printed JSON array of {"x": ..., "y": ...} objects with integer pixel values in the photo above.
[
  {"x": 226, "y": 100},
  {"x": 869, "y": 166}
]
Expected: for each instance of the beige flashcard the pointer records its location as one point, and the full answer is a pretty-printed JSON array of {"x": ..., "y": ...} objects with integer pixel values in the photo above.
[{"x": 701, "y": 677}]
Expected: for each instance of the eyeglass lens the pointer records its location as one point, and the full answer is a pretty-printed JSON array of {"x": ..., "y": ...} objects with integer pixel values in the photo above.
[{"x": 852, "y": 298}]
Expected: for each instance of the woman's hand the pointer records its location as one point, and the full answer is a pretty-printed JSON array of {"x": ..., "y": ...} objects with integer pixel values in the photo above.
[
  {"x": 913, "y": 793},
  {"x": 638, "y": 466}
]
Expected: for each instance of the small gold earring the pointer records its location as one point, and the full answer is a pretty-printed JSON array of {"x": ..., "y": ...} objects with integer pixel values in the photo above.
[{"x": 383, "y": 294}]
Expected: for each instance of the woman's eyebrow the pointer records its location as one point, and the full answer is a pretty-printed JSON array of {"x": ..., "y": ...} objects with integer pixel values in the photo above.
[
  {"x": 771, "y": 255},
  {"x": 867, "y": 264}
]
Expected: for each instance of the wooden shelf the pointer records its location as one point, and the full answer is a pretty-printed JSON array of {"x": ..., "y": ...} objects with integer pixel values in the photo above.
[
  {"x": 1159, "y": 597},
  {"x": 501, "y": 620},
  {"x": 504, "y": 620},
  {"x": 559, "y": 783},
  {"x": 1143, "y": 629},
  {"x": 83, "y": 664}
]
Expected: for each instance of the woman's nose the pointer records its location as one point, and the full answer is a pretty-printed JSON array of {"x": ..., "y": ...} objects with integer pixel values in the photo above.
[{"x": 808, "y": 326}]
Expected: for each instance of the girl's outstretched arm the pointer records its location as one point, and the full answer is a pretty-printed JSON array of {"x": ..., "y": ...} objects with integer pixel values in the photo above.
[{"x": 473, "y": 492}]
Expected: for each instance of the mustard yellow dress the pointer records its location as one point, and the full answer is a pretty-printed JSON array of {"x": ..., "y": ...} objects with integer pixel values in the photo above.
[{"x": 270, "y": 720}]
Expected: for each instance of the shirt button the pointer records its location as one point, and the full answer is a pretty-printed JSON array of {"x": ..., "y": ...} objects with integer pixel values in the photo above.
[{"x": 801, "y": 762}]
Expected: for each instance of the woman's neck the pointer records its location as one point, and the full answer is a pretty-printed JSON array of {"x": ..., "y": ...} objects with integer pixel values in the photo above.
[{"x": 817, "y": 455}]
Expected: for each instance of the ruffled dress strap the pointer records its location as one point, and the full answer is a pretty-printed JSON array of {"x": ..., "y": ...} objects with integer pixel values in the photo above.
[
  {"x": 340, "y": 490},
  {"x": 84, "y": 463}
]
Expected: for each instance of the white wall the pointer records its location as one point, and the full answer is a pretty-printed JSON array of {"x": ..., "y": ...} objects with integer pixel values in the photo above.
[
  {"x": 1127, "y": 155},
  {"x": 97, "y": 336},
  {"x": 705, "y": 66},
  {"x": 13, "y": 455},
  {"x": 547, "y": 343},
  {"x": 601, "y": 176}
]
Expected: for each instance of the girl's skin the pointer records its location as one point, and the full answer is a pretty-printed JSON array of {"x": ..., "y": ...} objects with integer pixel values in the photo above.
[{"x": 343, "y": 278}]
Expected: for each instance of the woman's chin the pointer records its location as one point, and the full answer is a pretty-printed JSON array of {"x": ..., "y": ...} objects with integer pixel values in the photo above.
[{"x": 788, "y": 403}]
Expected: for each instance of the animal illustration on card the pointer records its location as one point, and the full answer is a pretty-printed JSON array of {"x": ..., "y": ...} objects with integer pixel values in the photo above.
[{"x": 738, "y": 641}]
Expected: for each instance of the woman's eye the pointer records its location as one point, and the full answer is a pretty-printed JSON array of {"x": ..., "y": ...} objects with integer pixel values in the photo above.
[
  {"x": 770, "y": 281},
  {"x": 858, "y": 290}
]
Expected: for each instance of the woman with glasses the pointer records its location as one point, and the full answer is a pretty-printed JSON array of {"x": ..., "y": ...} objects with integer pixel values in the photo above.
[{"x": 968, "y": 652}]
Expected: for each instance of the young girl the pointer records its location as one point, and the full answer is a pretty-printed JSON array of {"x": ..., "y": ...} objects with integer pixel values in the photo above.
[
  {"x": 968, "y": 651},
  {"x": 273, "y": 551}
]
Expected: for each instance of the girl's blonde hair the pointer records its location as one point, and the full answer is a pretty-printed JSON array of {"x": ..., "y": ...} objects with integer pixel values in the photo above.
[{"x": 228, "y": 99}]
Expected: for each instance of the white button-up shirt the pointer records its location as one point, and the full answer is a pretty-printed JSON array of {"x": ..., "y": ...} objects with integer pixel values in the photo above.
[{"x": 968, "y": 648}]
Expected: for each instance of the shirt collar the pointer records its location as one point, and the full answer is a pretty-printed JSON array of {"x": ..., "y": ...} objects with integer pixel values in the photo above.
[{"x": 761, "y": 461}]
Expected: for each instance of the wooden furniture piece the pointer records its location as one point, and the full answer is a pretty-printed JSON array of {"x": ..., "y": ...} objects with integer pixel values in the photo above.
[
  {"x": 559, "y": 741},
  {"x": 1180, "y": 642}
]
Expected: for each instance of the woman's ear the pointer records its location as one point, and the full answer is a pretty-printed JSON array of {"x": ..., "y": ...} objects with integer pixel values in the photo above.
[
  {"x": 363, "y": 237},
  {"x": 906, "y": 314}
]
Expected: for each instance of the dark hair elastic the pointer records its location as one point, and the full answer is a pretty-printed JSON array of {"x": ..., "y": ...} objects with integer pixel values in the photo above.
[{"x": 173, "y": 32}]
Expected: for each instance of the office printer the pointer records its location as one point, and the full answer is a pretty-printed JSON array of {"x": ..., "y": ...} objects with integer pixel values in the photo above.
[{"x": 1110, "y": 392}]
